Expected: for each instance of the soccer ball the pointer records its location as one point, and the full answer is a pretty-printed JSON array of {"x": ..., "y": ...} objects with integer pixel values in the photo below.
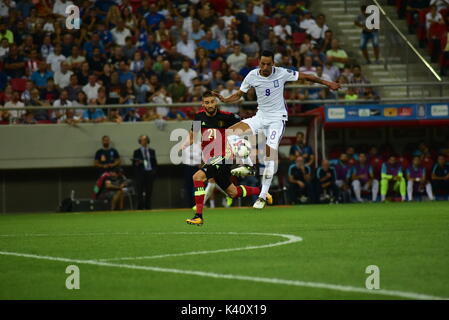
[{"x": 242, "y": 148}]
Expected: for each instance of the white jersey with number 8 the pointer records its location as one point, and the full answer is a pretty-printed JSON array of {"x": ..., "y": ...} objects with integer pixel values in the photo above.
[{"x": 270, "y": 91}]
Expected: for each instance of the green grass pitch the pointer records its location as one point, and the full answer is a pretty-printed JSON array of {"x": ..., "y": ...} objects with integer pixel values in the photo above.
[{"x": 409, "y": 242}]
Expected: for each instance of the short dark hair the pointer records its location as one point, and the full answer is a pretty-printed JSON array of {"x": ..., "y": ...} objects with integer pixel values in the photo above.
[
  {"x": 267, "y": 53},
  {"x": 207, "y": 94}
]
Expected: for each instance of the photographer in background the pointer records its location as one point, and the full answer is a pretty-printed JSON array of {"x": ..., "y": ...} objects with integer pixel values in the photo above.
[
  {"x": 145, "y": 165},
  {"x": 112, "y": 186},
  {"x": 106, "y": 158}
]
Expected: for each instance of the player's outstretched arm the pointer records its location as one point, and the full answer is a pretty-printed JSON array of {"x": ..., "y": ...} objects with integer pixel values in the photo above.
[
  {"x": 232, "y": 98},
  {"x": 329, "y": 84}
]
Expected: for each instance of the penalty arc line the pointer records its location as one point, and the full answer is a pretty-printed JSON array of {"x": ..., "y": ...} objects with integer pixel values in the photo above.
[
  {"x": 290, "y": 239},
  {"x": 316, "y": 285}
]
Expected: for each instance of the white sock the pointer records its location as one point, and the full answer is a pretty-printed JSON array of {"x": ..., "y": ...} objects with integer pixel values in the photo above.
[
  {"x": 357, "y": 191},
  {"x": 410, "y": 190},
  {"x": 212, "y": 203},
  {"x": 382, "y": 197},
  {"x": 375, "y": 189},
  {"x": 429, "y": 191},
  {"x": 232, "y": 139},
  {"x": 267, "y": 177},
  {"x": 209, "y": 191}
]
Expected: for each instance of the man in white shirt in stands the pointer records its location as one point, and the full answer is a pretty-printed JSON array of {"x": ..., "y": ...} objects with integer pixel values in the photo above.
[
  {"x": 54, "y": 59},
  {"x": 187, "y": 74},
  {"x": 318, "y": 28},
  {"x": 237, "y": 60},
  {"x": 62, "y": 77},
  {"x": 120, "y": 33},
  {"x": 186, "y": 47},
  {"x": 283, "y": 30},
  {"x": 91, "y": 88},
  {"x": 230, "y": 90}
]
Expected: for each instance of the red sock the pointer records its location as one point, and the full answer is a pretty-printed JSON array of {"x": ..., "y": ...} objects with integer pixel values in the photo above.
[
  {"x": 199, "y": 196},
  {"x": 245, "y": 191}
]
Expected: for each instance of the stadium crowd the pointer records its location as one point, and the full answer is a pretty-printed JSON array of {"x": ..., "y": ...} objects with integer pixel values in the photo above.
[
  {"x": 162, "y": 52},
  {"x": 368, "y": 174},
  {"x": 429, "y": 20}
]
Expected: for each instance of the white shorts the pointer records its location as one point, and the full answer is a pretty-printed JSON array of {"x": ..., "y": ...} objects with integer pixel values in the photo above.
[{"x": 273, "y": 129}]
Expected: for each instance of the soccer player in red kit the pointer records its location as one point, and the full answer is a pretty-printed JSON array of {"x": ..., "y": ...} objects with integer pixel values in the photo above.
[{"x": 211, "y": 123}]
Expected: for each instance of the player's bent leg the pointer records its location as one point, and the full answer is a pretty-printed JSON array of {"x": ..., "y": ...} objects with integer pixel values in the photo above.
[
  {"x": 241, "y": 191},
  {"x": 198, "y": 183}
]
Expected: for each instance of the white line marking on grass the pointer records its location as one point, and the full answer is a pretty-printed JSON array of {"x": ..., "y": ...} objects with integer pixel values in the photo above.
[
  {"x": 297, "y": 283},
  {"x": 290, "y": 239}
]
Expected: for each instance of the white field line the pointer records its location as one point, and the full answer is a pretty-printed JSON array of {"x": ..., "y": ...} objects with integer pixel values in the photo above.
[
  {"x": 290, "y": 239},
  {"x": 297, "y": 283}
]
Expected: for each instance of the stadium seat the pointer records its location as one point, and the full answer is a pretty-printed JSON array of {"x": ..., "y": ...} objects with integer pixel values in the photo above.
[
  {"x": 298, "y": 38},
  {"x": 18, "y": 84},
  {"x": 272, "y": 22}
]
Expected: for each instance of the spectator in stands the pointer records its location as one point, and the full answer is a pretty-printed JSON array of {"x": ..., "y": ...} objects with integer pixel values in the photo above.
[
  {"x": 50, "y": 93},
  {"x": 128, "y": 93},
  {"x": 106, "y": 158},
  {"x": 392, "y": 177},
  {"x": 433, "y": 16},
  {"x": 300, "y": 182},
  {"x": 326, "y": 187},
  {"x": 114, "y": 116},
  {"x": 131, "y": 115},
  {"x": 63, "y": 101},
  {"x": 75, "y": 59},
  {"x": 283, "y": 30},
  {"x": 440, "y": 4},
  {"x": 70, "y": 117},
  {"x": 237, "y": 60},
  {"x": 41, "y": 76},
  {"x": 342, "y": 178},
  {"x": 318, "y": 29},
  {"x": 210, "y": 44},
  {"x": 73, "y": 89},
  {"x": 186, "y": 47},
  {"x": 94, "y": 115},
  {"x": 14, "y": 63},
  {"x": 187, "y": 74},
  {"x": 112, "y": 186},
  {"x": 38, "y": 115},
  {"x": 362, "y": 176},
  {"x": 336, "y": 55},
  {"x": 440, "y": 176},
  {"x": 230, "y": 90},
  {"x": 145, "y": 166},
  {"x": 417, "y": 180},
  {"x": 177, "y": 90},
  {"x": 367, "y": 35},
  {"x": 308, "y": 68},
  {"x": 62, "y": 77},
  {"x": 120, "y": 33},
  {"x": 15, "y": 115},
  {"x": 300, "y": 148},
  {"x": 358, "y": 78},
  {"x": 54, "y": 59},
  {"x": 91, "y": 88}
]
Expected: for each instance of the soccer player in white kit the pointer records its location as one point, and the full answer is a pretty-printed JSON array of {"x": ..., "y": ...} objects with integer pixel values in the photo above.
[{"x": 272, "y": 114}]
